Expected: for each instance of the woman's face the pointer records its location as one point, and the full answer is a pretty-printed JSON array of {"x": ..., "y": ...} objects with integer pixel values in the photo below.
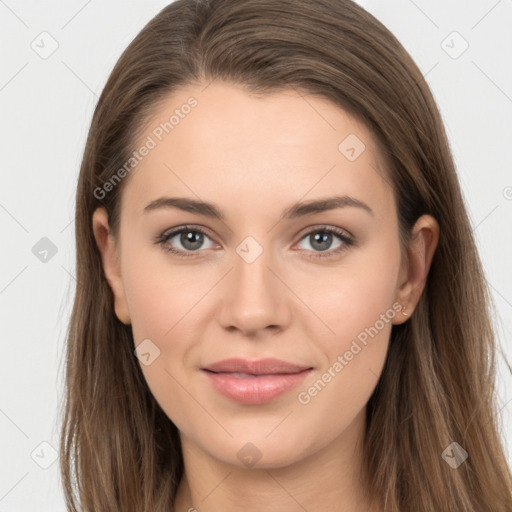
[{"x": 314, "y": 287}]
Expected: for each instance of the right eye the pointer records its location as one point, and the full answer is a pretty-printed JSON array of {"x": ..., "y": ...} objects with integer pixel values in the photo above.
[{"x": 190, "y": 238}]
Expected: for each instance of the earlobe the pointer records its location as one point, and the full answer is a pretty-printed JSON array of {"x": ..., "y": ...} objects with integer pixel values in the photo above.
[
  {"x": 420, "y": 253},
  {"x": 111, "y": 263}
]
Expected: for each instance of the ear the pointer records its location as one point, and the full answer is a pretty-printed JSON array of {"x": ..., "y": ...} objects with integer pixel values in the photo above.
[
  {"x": 111, "y": 262},
  {"x": 413, "y": 276}
]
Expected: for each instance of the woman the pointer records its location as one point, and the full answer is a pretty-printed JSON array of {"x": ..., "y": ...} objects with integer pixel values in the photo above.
[{"x": 280, "y": 303}]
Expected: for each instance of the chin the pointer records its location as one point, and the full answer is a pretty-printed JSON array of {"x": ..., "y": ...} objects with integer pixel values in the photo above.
[{"x": 257, "y": 451}]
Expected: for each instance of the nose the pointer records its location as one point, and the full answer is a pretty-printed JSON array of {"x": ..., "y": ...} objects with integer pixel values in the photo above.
[{"x": 254, "y": 298}]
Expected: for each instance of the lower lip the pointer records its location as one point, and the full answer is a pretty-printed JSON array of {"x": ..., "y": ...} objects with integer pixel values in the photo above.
[{"x": 255, "y": 390}]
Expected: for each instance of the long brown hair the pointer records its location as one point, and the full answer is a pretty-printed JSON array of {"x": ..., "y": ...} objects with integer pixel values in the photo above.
[{"x": 119, "y": 451}]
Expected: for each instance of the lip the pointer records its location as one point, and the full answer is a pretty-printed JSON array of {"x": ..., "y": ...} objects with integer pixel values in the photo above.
[{"x": 255, "y": 382}]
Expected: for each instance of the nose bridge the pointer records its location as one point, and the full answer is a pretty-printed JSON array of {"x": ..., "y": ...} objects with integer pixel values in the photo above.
[
  {"x": 252, "y": 277},
  {"x": 254, "y": 297},
  {"x": 252, "y": 262}
]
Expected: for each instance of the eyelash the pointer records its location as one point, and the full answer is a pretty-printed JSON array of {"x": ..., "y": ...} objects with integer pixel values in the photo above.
[{"x": 341, "y": 234}]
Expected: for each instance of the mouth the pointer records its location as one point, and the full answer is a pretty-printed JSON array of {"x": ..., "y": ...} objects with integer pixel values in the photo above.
[{"x": 255, "y": 382}]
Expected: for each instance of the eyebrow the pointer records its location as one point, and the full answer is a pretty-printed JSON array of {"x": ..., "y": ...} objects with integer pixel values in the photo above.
[{"x": 293, "y": 212}]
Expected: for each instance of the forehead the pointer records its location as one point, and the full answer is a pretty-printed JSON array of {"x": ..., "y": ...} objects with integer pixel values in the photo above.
[{"x": 221, "y": 138}]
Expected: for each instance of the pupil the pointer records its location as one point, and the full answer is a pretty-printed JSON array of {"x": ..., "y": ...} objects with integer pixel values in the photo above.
[
  {"x": 192, "y": 240},
  {"x": 320, "y": 238}
]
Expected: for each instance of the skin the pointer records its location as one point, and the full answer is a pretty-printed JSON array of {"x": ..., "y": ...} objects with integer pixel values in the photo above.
[{"x": 242, "y": 153}]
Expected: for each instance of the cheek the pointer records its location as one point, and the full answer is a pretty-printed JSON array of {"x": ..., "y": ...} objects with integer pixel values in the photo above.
[
  {"x": 353, "y": 296},
  {"x": 161, "y": 296},
  {"x": 340, "y": 390},
  {"x": 165, "y": 304},
  {"x": 357, "y": 306}
]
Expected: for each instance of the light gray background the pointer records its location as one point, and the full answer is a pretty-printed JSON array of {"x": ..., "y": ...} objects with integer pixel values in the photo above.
[{"x": 46, "y": 107}]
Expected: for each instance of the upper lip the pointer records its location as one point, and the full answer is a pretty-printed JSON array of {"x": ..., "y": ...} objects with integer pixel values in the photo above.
[{"x": 267, "y": 366}]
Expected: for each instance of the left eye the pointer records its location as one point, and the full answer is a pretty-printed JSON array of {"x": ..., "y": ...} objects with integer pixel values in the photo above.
[
  {"x": 321, "y": 241},
  {"x": 192, "y": 240}
]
